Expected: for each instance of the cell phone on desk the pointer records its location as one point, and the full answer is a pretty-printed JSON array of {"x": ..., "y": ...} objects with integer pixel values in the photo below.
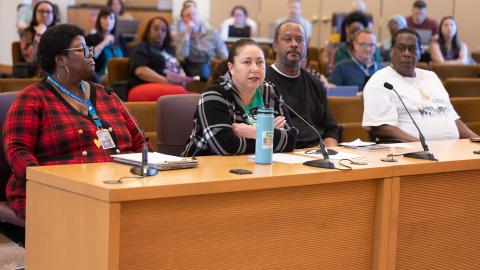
[{"x": 477, "y": 140}]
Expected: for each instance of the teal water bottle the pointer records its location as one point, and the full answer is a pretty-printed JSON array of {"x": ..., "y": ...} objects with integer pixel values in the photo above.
[{"x": 264, "y": 136}]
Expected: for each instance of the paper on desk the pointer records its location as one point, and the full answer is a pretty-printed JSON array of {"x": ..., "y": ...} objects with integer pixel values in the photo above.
[
  {"x": 338, "y": 156},
  {"x": 286, "y": 158},
  {"x": 398, "y": 145},
  {"x": 356, "y": 143}
]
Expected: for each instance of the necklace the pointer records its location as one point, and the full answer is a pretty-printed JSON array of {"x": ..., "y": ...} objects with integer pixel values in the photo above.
[{"x": 415, "y": 84}]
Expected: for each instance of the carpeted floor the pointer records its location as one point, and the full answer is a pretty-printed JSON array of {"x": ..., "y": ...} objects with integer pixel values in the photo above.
[{"x": 11, "y": 254}]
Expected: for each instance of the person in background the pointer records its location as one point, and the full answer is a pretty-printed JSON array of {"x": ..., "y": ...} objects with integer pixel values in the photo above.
[
  {"x": 354, "y": 22},
  {"x": 63, "y": 119},
  {"x": 153, "y": 61},
  {"x": 119, "y": 8},
  {"x": 422, "y": 92},
  {"x": 357, "y": 69},
  {"x": 239, "y": 24},
  {"x": 395, "y": 23},
  {"x": 224, "y": 122},
  {"x": 197, "y": 45},
  {"x": 301, "y": 90},
  {"x": 419, "y": 20},
  {"x": 43, "y": 18},
  {"x": 178, "y": 26},
  {"x": 24, "y": 15},
  {"x": 106, "y": 45},
  {"x": 448, "y": 48},
  {"x": 295, "y": 14}
]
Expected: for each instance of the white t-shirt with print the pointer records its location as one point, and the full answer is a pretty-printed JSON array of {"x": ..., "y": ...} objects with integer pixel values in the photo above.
[{"x": 425, "y": 97}]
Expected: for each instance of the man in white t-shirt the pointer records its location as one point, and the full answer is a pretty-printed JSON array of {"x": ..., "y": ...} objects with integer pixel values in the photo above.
[{"x": 422, "y": 92}]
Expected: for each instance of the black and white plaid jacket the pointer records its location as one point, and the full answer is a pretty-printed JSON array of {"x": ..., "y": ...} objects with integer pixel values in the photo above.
[{"x": 221, "y": 106}]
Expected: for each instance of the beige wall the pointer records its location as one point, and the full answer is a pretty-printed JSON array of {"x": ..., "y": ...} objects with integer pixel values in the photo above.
[{"x": 319, "y": 12}]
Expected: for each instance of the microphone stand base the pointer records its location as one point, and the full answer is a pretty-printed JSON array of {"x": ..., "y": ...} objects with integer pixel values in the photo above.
[
  {"x": 421, "y": 155},
  {"x": 320, "y": 163},
  {"x": 149, "y": 171}
]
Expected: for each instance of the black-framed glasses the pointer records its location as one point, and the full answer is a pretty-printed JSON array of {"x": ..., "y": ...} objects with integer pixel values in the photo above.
[
  {"x": 45, "y": 11},
  {"x": 87, "y": 51}
]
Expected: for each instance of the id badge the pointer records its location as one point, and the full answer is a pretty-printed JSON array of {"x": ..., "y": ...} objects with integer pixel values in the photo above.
[{"x": 105, "y": 139}]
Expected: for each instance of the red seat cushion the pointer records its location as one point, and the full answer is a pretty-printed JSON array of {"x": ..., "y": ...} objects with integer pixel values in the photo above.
[{"x": 152, "y": 91}]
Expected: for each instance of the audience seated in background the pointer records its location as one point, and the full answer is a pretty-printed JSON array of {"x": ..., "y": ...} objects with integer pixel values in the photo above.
[
  {"x": 239, "y": 24},
  {"x": 295, "y": 14},
  {"x": 63, "y": 119},
  {"x": 153, "y": 60},
  {"x": 354, "y": 22},
  {"x": 448, "y": 48},
  {"x": 119, "y": 8},
  {"x": 44, "y": 16},
  {"x": 339, "y": 17},
  {"x": 224, "y": 122},
  {"x": 106, "y": 45},
  {"x": 357, "y": 69},
  {"x": 178, "y": 26},
  {"x": 421, "y": 91},
  {"x": 419, "y": 20},
  {"x": 395, "y": 23},
  {"x": 197, "y": 45},
  {"x": 24, "y": 15},
  {"x": 300, "y": 90}
]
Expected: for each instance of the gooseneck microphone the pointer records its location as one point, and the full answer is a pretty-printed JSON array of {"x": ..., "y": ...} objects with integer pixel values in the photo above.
[
  {"x": 144, "y": 169},
  {"x": 319, "y": 163},
  {"x": 425, "y": 154}
]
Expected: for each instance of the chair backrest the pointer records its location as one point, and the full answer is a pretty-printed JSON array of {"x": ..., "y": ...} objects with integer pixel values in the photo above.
[
  {"x": 117, "y": 70},
  {"x": 145, "y": 112},
  {"x": 463, "y": 87},
  {"x": 6, "y": 100},
  {"x": 15, "y": 84},
  {"x": 476, "y": 57},
  {"x": 16, "y": 53},
  {"x": 175, "y": 118},
  {"x": 348, "y": 111},
  {"x": 445, "y": 71},
  {"x": 468, "y": 108}
]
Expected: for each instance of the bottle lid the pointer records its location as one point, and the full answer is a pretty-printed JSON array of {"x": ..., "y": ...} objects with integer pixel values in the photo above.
[{"x": 265, "y": 110}]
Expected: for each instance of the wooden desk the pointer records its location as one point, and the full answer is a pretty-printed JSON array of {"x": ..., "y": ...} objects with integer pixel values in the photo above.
[{"x": 412, "y": 214}]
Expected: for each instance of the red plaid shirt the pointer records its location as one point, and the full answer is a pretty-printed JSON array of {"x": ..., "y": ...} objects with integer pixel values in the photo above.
[{"x": 41, "y": 128}]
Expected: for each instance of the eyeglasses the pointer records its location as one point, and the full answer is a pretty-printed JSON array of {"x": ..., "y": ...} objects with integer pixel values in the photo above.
[
  {"x": 46, "y": 11},
  {"x": 87, "y": 51},
  {"x": 365, "y": 45}
]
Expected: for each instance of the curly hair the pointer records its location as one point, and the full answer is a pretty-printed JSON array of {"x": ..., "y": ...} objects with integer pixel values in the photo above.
[{"x": 54, "y": 42}]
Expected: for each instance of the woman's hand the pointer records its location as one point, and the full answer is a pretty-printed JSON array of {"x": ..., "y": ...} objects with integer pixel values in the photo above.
[
  {"x": 40, "y": 29},
  {"x": 244, "y": 130},
  {"x": 279, "y": 122}
]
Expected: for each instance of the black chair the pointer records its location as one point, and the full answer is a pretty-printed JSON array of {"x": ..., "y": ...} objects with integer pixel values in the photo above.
[{"x": 6, "y": 214}]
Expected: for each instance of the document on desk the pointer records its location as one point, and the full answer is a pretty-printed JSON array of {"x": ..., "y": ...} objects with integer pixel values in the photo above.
[
  {"x": 338, "y": 156},
  {"x": 157, "y": 160},
  {"x": 286, "y": 158}
]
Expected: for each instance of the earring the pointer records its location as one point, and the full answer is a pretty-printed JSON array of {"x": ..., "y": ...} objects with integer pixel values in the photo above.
[{"x": 68, "y": 75}]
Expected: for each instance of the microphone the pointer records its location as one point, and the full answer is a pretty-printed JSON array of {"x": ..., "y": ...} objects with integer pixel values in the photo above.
[
  {"x": 425, "y": 154},
  {"x": 319, "y": 163},
  {"x": 144, "y": 169}
]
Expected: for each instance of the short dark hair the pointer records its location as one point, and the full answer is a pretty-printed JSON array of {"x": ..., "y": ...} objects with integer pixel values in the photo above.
[
  {"x": 407, "y": 31},
  {"x": 167, "y": 42},
  {"x": 34, "y": 21},
  {"x": 277, "y": 29},
  {"x": 54, "y": 42},
  {"x": 242, "y": 8},
  {"x": 122, "y": 10},
  {"x": 105, "y": 11},
  {"x": 420, "y": 4},
  {"x": 352, "y": 18}
]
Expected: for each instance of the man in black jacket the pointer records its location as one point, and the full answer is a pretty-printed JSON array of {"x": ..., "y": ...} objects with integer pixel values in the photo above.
[{"x": 300, "y": 90}]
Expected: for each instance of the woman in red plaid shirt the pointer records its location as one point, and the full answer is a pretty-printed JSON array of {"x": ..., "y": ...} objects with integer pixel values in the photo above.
[{"x": 64, "y": 119}]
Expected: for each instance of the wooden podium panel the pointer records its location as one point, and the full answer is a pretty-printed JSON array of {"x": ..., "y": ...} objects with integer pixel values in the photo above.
[
  {"x": 327, "y": 226},
  {"x": 412, "y": 214},
  {"x": 439, "y": 221}
]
